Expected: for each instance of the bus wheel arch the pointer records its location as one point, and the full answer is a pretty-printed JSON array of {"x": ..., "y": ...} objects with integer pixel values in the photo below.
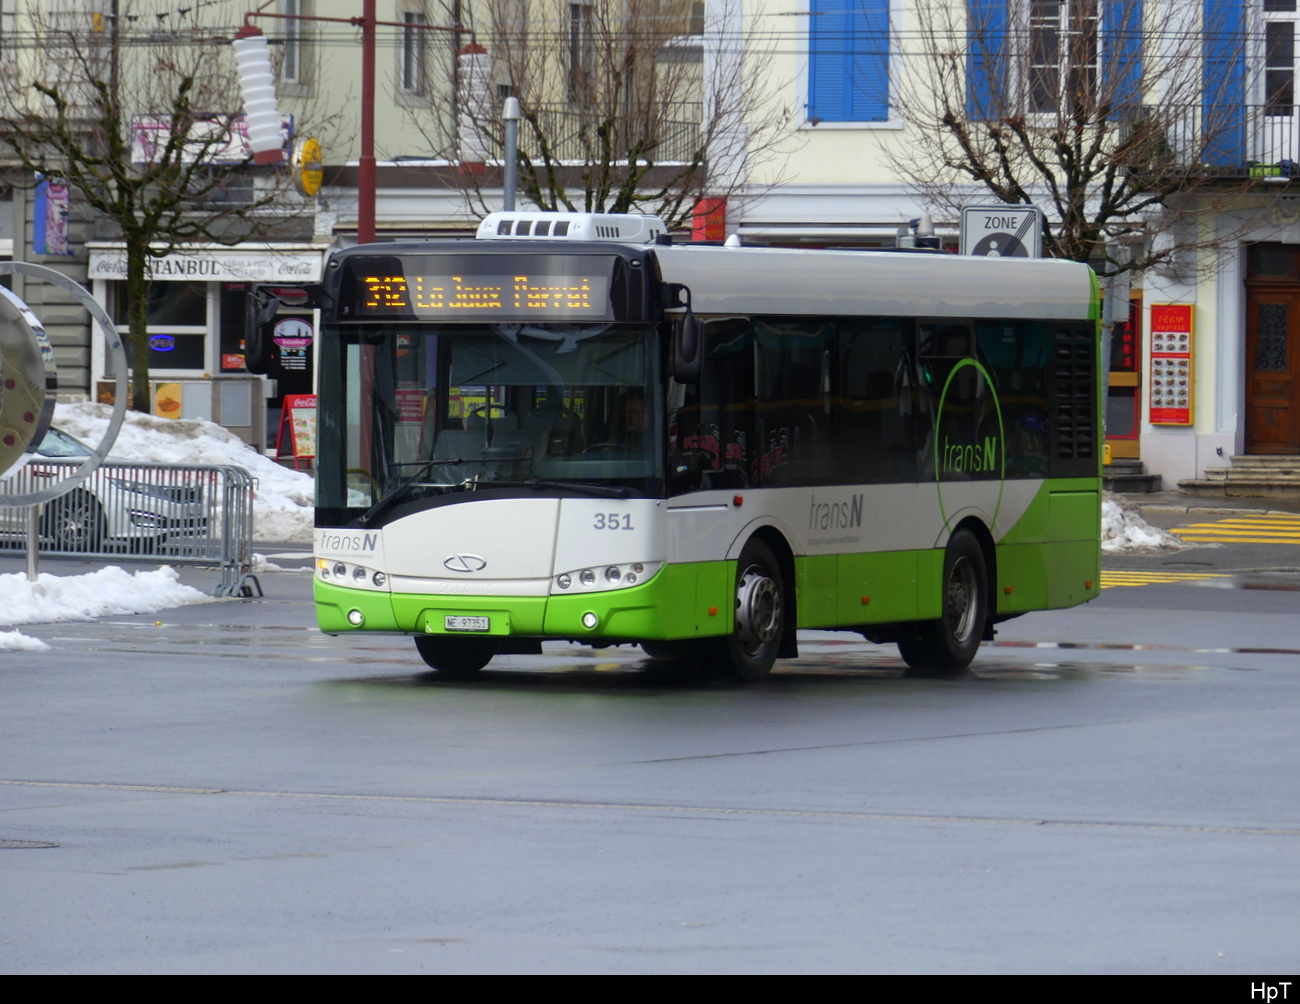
[
  {"x": 946, "y": 646},
  {"x": 784, "y": 555},
  {"x": 761, "y": 620}
]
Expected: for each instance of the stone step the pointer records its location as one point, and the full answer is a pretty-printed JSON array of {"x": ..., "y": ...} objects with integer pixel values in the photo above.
[
  {"x": 1129, "y": 483},
  {"x": 1268, "y": 488}
]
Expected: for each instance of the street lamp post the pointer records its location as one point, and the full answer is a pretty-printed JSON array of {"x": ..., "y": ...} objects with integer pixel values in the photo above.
[
  {"x": 511, "y": 115},
  {"x": 367, "y": 22}
]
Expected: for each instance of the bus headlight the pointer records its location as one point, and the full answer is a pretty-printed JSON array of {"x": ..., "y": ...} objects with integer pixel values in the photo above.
[
  {"x": 613, "y": 577},
  {"x": 587, "y": 577},
  {"x": 563, "y": 581},
  {"x": 612, "y": 573}
]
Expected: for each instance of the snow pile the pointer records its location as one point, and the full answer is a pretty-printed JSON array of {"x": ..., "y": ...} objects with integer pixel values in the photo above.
[
  {"x": 282, "y": 498},
  {"x": 16, "y": 641},
  {"x": 110, "y": 590},
  {"x": 1124, "y": 529}
]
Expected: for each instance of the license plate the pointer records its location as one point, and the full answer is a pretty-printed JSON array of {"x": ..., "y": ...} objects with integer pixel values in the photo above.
[{"x": 467, "y": 623}]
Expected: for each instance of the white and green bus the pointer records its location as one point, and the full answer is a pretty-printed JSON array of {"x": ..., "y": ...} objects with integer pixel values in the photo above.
[{"x": 571, "y": 428}]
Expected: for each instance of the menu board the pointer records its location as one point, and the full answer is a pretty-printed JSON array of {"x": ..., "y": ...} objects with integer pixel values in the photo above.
[{"x": 1171, "y": 364}]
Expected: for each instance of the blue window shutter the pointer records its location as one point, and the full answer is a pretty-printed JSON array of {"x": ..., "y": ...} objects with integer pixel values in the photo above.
[
  {"x": 848, "y": 61},
  {"x": 1121, "y": 33},
  {"x": 986, "y": 64},
  {"x": 1224, "y": 82}
]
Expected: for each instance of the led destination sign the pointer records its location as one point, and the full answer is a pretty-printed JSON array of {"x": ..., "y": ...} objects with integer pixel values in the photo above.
[{"x": 517, "y": 295}]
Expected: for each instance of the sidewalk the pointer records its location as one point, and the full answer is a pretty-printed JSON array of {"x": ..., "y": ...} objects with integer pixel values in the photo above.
[{"x": 1177, "y": 502}]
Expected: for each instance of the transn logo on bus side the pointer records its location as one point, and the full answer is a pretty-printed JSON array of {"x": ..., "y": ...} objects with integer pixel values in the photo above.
[
  {"x": 835, "y": 515},
  {"x": 969, "y": 459}
]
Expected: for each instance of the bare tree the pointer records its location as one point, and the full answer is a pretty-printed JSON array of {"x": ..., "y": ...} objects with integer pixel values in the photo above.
[
  {"x": 1125, "y": 124},
  {"x": 626, "y": 105},
  {"x": 142, "y": 124}
]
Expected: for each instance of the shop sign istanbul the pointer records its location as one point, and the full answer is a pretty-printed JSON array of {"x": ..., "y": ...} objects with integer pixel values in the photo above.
[{"x": 208, "y": 267}]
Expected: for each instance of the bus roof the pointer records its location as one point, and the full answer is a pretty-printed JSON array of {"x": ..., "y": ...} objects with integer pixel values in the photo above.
[{"x": 796, "y": 281}]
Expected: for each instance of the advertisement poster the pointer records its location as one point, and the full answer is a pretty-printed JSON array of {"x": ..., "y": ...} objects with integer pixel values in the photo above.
[
  {"x": 50, "y": 217},
  {"x": 1171, "y": 364}
]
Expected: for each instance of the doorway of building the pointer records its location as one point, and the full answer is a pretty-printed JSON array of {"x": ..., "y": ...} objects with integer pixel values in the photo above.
[{"x": 1273, "y": 349}]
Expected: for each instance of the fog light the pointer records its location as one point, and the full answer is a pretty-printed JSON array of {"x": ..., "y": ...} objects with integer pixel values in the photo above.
[
  {"x": 587, "y": 577},
  {"x": 359, "y": 574},
  {"x": 612, "y": 574},
  {"x": 563, "y": 581},
  {"x": 355, "y": 618},
  {"x": 590, "y": 620},
  {"x": 379, "y": 578}
]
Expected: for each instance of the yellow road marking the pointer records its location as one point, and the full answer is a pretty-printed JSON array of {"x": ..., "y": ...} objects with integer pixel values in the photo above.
[
  {"x": 1243, "y": 530},
  {"x": 1132, "y": 577}
]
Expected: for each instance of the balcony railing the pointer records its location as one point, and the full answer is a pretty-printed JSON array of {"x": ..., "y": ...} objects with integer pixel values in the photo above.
[{"x": 1232, "y": 143}]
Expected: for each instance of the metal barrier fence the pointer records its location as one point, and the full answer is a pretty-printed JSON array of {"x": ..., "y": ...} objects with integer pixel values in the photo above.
[{"x": 192, "y": 514}]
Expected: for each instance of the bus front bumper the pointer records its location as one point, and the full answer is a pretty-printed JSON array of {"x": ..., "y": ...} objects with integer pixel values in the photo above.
[{"x": 682, "y": 601}]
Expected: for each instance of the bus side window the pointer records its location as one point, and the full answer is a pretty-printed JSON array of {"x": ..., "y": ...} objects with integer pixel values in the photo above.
[
  {"x": 795, "y": 445},
  {"x": 711, "y": 433},
  {"x": 875, "y": 409},
  {"x": 1016, "y": 352}
]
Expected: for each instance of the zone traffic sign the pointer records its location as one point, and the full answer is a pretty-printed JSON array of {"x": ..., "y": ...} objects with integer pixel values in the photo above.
[{"x": 1001, "y": 231}]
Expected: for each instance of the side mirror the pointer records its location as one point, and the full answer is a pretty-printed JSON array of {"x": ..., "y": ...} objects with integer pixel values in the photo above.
[
  {"x": 688, "y": 344},
  {"x": 258, "y": 318}
]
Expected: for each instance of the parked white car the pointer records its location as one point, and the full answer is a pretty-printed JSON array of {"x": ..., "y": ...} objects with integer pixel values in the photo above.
[{"x": 122, "y": 506}]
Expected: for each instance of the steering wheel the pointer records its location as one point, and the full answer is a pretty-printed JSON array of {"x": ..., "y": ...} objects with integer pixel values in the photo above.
[{"x": 608, "y": 447}]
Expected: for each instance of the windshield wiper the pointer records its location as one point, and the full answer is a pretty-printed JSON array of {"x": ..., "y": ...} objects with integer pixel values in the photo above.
[
  {"x": 368, "y": 516},
  {"x": 600, "y": 491}
]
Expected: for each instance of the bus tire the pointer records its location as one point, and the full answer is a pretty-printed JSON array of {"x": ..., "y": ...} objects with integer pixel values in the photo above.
[
  {"x": 751, "y": 648},
  {"x": 945, "y": 647},
  {"x": 454, "y": 658}
]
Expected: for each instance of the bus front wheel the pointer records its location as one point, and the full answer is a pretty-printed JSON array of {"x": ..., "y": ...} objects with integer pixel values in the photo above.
[
  {"x": 752, "y": 646},
  {"x": 454, "y": 658},
  {"x": 946, "y": 646}
]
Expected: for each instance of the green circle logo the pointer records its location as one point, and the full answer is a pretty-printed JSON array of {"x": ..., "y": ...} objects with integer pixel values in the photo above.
[{"x": 973, "y": 457}]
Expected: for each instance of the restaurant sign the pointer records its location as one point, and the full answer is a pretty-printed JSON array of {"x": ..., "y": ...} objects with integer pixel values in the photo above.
[{"x": 215, "y": 266}]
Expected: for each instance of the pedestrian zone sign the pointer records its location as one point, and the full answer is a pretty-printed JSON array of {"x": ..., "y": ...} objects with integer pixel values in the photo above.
[{"x": 1001, "y": 231}]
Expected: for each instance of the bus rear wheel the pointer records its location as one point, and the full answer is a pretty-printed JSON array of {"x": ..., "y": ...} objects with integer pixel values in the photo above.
[
  {"x": 751, "y": 649},
  {"x": 946, "y": 646},
  {"x": 454, "y": 658}
]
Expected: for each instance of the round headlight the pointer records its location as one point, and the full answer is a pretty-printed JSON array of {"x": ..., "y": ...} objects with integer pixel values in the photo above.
[
  {"x": 630, "y": 578},
  {"x": 638, "y": 568},
  {"x": 379, "y": 578},
  {"x": 587, "y": 577},
  {"x": 340, "y": 569},
  {"x": 563, "y": 581},
  {"x": 612, "y": 574},
  {"x": 359, "y": 574}
]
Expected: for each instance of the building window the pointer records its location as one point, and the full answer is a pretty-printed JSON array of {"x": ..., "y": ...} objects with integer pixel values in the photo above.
[
  {"x": 177, "y": 323},
  {"x": 1279, "y": 58},
  {"x": 413, "y": 42},
  {"x": 581, "y": 51},
  {"x": 291, "y": 66},
  {"x": 848, "y": 61},
  {"x": 1063, "y": 39}
]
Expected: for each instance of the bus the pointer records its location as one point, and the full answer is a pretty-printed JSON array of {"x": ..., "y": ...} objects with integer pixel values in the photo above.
[{"x": 572, "y": 428}]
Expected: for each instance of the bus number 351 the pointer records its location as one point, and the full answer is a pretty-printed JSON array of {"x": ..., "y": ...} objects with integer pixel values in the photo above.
[{"x": 612, "y": 521}]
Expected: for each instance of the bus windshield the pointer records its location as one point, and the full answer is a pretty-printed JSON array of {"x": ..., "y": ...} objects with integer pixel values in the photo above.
[{"x": 438, "y": 409}]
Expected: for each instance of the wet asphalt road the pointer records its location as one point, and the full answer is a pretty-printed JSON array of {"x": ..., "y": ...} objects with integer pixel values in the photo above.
[{"x": 1112, "y": 789}]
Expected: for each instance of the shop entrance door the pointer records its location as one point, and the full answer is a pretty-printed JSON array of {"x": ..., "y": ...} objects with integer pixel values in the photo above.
[{"x": 1273, "y": 370}]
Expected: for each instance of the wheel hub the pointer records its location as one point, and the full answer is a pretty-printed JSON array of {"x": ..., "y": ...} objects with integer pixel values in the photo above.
[
  {"x": 758, "y": 609},
  {"x": 960, "y": 603}
]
